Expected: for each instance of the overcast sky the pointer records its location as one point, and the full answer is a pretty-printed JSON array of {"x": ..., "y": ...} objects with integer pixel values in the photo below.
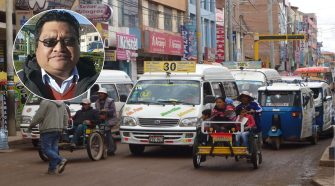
[{"x": 325, "y": 12}]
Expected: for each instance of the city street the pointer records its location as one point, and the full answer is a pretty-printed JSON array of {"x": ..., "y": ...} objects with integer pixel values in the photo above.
[{"x": 293, "y": 164}]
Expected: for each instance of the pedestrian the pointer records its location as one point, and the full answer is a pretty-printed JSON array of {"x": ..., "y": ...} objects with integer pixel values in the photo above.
[
  {"x": 58, "y": 72},
  {"x": 52, "y": 118},
  {"x": 107, "y": 104}
]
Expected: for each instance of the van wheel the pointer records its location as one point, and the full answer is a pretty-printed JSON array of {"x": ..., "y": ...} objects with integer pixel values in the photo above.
[
  {"x": 314, "y": 138},
  {"x": 136, "y": 150}
]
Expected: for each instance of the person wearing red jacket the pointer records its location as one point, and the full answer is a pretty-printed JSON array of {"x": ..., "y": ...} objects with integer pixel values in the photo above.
[{"x": 249, "y": 121}]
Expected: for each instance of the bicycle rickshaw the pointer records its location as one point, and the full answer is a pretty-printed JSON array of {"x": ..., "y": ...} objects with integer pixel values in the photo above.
[
  {"x": 210, "y": 142},
  {"x": 93, "y": 139}
]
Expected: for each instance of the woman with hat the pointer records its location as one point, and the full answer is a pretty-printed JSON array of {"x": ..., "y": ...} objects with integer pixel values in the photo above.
[
  {"x": 253, "y": 108},
  {"x": 107, "y": 104}
]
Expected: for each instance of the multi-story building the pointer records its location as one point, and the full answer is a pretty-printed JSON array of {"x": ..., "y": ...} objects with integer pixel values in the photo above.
[
  {"x": 311, "y": 32},
  {"x": 256, "y": 18},
  {"x": 208, "y": 24}
]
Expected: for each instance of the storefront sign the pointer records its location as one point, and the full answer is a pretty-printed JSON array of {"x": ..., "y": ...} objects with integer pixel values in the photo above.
[
  {"x": 169, "y": 66},
  {"x": 125, "y": 41},
  {"x": 40, "y": 5},
  {"x": 162, "y": 43},
  {"x": 220, "y": 40},
  {"x": 22, "y": 17},
  {"x": 95, "y": 12},
  {"x": 189, "y": 41}
]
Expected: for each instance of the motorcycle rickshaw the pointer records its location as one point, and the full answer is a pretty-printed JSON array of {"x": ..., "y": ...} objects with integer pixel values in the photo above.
[
  {"x": 288, "y": 114},
  {"x": 93, "y": 140},
  {"x": 211, "y": 142}
]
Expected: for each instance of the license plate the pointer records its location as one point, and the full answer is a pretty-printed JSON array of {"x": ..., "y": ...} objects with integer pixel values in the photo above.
[{"x": 156, "y": 139}]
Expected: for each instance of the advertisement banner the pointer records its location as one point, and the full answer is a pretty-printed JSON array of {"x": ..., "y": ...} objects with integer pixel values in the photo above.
[
  {"x": 189, "y": 41},
  {"x": 220, "y": 40},
  {"x": 22, "y": 17},
  {"x": 110, "y": 55},
  {"x": 40, "y": 5},
  {"x": 95, "y": 12},
  {"x": 126, "y": 41},
  {"x": 162, "y": 43}
]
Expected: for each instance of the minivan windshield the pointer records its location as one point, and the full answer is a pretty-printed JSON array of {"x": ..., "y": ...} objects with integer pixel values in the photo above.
[
  {"x": 250, "y": 86},
  {"x": 165, "y": 92},
  {"x": 280, "y": 98}
]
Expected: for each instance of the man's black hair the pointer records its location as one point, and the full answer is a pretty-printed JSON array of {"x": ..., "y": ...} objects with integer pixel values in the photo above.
[{"x": 56, "y": 15}]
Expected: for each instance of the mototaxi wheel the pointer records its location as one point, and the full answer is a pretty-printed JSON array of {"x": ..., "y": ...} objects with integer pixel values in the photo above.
[
  {"x": 255, "y": 159},
  {"x": 95, "y": 146}
]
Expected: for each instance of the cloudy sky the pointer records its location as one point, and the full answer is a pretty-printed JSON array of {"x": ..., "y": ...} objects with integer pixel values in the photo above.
[{"x": 325, "y": 12}]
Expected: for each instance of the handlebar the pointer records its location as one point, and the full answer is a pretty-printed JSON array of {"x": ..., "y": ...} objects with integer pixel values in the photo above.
[{"x": 205, "y": 124}]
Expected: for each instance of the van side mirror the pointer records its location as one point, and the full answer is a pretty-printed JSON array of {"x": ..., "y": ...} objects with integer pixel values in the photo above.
[
  {"x": 209, "y": 99},
  {"x": 327, "y": 98},
  {"x": 123, "y": 98}
]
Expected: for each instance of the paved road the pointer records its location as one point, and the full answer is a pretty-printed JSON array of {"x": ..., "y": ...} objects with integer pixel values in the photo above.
[{"x": 294, "y": 164}]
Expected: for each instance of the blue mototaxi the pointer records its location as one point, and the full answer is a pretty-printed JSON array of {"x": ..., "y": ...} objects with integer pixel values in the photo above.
[{"x": 288, "y": 114}]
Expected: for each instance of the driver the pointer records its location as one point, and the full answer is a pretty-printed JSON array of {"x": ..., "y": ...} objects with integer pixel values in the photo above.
[{"x": 86, "y": 116}]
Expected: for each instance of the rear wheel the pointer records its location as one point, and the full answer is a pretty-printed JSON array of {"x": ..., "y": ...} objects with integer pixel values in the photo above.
[
  {"x": 314, "y": 138},
  {"x": 136, "y": 149},
  {"x": 95, "y": 146},
  {"x": 255, "y": 159}
]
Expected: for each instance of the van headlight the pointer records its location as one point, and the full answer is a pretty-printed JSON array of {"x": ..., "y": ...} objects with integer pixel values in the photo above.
[
  {"x": 189, "y": 122},
  {"x": 128, "y": 121},
  {"x": 26, "y": 119}
]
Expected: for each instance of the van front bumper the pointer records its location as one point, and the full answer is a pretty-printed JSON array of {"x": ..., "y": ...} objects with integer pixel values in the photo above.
[{"x": 157, "y": 137}]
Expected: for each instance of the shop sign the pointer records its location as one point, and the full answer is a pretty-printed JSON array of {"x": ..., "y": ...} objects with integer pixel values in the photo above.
[
  {"x": 128, "y": 55},
  {"x": 40, "y": 5},
  {"x": 22, "y": 17},
  {"x": 220, "y": 40},
  {"x": 163, "y": 43},
  {"x": 95, "y": 12},
  {"x": 125, "y": 41}
]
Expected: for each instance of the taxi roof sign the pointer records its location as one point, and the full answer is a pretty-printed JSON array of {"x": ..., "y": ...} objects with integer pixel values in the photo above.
[
  {"x": 169, "y": 66},
  {"x": 244, "y": 64}
]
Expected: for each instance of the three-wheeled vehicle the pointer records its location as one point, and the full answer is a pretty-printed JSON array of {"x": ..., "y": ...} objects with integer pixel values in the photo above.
[
  {"x": 288, "y": 114},
  {"x": 93, "y": 139},
  {"x": 212, "y": 142},
  {"x": 323, "y": 105}
]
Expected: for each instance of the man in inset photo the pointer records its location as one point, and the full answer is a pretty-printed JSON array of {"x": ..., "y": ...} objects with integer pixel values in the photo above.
[{"x": 58, "y": 72}]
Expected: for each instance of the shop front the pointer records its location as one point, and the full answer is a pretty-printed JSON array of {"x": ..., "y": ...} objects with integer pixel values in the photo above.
[{"x": 158, "y": 46}]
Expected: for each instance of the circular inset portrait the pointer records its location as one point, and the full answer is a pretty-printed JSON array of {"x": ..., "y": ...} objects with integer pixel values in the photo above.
[{"x": 58, "y": 54}]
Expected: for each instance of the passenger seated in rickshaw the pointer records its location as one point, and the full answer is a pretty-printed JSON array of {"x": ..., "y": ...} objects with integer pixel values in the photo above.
[
  {"x": 222, "y": 112},
  {"x": 250, "y": 125},
  {"x": 85, "y": 117}
]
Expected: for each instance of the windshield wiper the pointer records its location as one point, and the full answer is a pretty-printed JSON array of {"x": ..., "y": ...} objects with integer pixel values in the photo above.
[
  {"x": 142, "y": 102},
  {"x": 175, "y": 102}
]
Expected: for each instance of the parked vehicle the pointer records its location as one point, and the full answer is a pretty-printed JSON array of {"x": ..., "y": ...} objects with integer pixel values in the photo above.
[
  {"x": 317, "y": 73},
  {"x": 251, "y": 79},
  {"x": 164, "y": 107},
  {"x": 117, "y": 83},
  {"x": 288, "y": 114},
  {"x": 322, "y": 96}
]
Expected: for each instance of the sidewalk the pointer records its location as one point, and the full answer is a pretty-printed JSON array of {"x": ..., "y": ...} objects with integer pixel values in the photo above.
[
  {"x": 14, "y": 141},
  {"x": 326, "y": 174}
]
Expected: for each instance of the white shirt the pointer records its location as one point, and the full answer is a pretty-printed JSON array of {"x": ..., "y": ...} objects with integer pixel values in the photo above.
[{"x": 47, "y": 79}]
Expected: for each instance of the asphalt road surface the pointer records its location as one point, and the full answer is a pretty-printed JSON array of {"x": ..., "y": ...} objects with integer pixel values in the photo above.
[{"x": 293, "y": 164}]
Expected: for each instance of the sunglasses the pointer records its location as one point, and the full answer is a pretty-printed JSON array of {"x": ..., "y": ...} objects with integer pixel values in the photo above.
[{"x": 52, "y": 42}]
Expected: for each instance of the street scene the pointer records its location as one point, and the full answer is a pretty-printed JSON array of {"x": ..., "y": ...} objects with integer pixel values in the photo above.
[{"x": 178, "y": 92}]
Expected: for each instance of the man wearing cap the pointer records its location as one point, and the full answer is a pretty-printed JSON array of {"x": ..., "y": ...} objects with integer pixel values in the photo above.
[
  {"x": 86, "y": 116},
  {"x": 253, "y": 108},
  {"x": 107, "y": 104}
]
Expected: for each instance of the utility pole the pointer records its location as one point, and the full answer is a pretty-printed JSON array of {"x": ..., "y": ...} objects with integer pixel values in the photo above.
[
  {"x": 230, "y": 30},
  {"x": 270, "y": 26},
  {"x": 199, "y": 35},
  {"x": 226, "y": 44},
  {"x": 10, "y": 70}
]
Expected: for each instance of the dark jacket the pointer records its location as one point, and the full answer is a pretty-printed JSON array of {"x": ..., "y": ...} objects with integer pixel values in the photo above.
[
  {"x": 31, "y": 77},
  {"x": 109, "y": 106},
  {"x": 82, "y": 115}
]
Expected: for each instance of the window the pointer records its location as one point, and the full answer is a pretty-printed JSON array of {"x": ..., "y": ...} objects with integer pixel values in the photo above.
[
  {"x": 178, "y": 22},
  {"x": 124, "y": 90},
  {"x": 207, "y": 89},
  {"x": 111, "y": 90},
  {"x": 153, "y": 15},
  {"x": 89, "y": 38},
  {"x": 193, "y": 2},
  {"x": 96, "y": 38},
  {"x": 167, "y": 19},
  {"x": 230, "y": 90},
  {"x": 218, "y": 89},
  {"x": 128, "y": 13}
]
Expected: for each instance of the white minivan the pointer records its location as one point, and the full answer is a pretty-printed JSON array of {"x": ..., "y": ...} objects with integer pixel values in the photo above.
[
  {"x": 164, "y": 107},
  {"x": 117, "y": 83},
  {"x": 251, "y": 79}
]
